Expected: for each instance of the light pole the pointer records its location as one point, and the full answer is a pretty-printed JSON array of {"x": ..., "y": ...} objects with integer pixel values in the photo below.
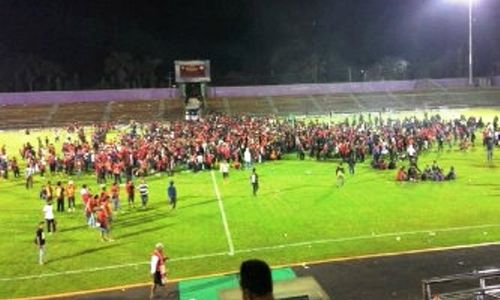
[
  {"x": 470, "y": 44},
  {"x": 471, "y": 62}
]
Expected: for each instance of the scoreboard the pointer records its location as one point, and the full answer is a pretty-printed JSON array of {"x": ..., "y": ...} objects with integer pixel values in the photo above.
[{"x": 192, "y": 71}]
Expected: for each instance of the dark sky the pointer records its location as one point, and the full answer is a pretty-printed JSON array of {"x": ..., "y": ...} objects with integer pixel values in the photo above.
[{"x": 251, "y": 37}]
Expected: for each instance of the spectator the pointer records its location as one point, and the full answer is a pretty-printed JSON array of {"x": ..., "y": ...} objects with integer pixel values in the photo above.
[
  {"x": 256, "y": 280},
  {"x": 115, "y": 196},
  {"x": 172, "y": 194},
  {"x": 254, "y": 180},
  {"x": 451, "y": 174},
  {"x": 158, "y": 269},
  {"x": 339, "y": 172},
  {"x": 144, "y": 191},
  {"x": 28, "y": 173},
  {"x": 60, "y": 196},
  {"x": 70, "y": 192},
  {"x": 248, "y": 158},
  {"x": 40, "y": 242},
  {"x": 48, "y": 213},
  {"x": 401, "y": 175},
  {"x": 130, "y": 189},
  {"x": 224, "y": 169}
]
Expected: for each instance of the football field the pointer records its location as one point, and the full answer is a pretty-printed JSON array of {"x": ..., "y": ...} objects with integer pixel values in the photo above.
[{"x": 299, "y": 215}]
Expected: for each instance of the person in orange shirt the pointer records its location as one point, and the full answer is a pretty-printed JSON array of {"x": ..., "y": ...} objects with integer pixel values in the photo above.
[
  {"x": 104, "y": 225},
  {"x": 92, "y": 208},
  {"x": 70, "y": 193},
  {"x": 115, "y": 196},
  {"x": 117, "y": 170},
  {"x": 401, "y": 175},
  {"x": 49, "y": 193},
  {"x": 107, "y": 208},
  {"x": 103, "y": 195}
]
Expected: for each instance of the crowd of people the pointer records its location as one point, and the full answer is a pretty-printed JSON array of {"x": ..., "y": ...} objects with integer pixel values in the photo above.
[
  {"x": 138, "y": 150},
  {"x": 120, "y": 155}
]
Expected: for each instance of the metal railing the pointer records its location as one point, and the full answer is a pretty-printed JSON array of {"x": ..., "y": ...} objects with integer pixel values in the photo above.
[{"x": 476, "y": 285}]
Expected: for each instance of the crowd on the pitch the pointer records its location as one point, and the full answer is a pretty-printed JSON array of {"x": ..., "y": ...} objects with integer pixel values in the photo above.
[
  {"x": 138, "y": 150},
  {"x": 123, "y": 153}
]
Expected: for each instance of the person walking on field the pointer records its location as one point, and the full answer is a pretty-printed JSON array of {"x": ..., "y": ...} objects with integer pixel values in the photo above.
[
  {"x": 115, "y": 196},
  {"x": 48, "y": 213},
  {"x": 247, "y": 157},
  {"x": 224, "y": 169},
  {"x": 254, "y": 180},
  {"x": 104, "y": 225},
  {"x": 339, "y": 172},
  {"x": 70, "y": 192},
  {"x": 60, "y": 196},
  {"x": 158, "y": 269},
  {"x": 172, "y": 194},
  {"x": 40, "y": 242},
  {"x": 48, "y": 191},
  {"x": 130, "y": 189},
  {"x": 489, "y": 143},
  {"x": 28, "y": 173},
  {"x": 144, "y": 191}
]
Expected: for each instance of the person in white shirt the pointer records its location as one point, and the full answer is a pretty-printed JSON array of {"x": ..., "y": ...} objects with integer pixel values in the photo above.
[
  {"x": 247, "y": 157},
  {"x": 30, "y": 170},
  {"x": 224, "y": 169},
  {"x": 411, "y": 151},
  {"x": 158, "y": 270},
  {"x": 48, "y": 213}
]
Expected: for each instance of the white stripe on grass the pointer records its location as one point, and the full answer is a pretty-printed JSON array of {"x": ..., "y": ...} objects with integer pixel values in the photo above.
[
  {"x": 266, "y": 248},
  {"x": 366, "y": 237},
  {"x": 223, "y": 215},
  {"x": 110, "y": 267}
]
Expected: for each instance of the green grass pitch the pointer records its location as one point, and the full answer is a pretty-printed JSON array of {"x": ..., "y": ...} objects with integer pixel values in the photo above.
[{"x": 299, "y": 215}]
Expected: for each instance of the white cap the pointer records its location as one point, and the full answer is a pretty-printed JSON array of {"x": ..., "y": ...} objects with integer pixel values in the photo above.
[{"x": 159, "y": 246}]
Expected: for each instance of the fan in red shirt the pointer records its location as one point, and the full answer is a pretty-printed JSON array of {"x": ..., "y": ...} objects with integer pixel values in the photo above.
[
  {"x": 115, "y": 196},
  {"x": 117, "y": 170},
  {"x": 130, "y": 189},
  {"x": 104, "y": 225}
]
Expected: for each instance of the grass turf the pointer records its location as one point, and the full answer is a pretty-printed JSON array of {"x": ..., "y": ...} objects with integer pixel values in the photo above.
[{"x": 298, "y": 215}]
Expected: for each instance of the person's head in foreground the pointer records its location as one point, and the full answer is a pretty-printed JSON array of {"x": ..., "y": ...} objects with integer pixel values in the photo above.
[{"x": 255, "y": 280}]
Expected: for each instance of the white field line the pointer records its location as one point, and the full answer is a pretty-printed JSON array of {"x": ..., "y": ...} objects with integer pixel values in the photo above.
[
  {"x": 223, "y": 215},
  {"x": 259, "y": 249},
  {"x": 365, "y": 237},
  {"x": 110, "y": 267}
]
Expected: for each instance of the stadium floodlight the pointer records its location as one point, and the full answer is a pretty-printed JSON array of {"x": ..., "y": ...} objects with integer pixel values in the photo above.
[{"x": 470, "y": 3}]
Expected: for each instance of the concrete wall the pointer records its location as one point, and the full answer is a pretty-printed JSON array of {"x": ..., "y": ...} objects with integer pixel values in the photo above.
[{"x": 57, "y": 97}]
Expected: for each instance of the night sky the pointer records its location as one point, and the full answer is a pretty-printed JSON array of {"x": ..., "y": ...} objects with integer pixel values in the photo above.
[{"x": 251, "y": 41}]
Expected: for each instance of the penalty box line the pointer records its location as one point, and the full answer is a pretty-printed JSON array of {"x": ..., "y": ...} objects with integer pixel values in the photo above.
[
  {"x": 275, "y": 247},
  {"x": 222, "y": 214}
]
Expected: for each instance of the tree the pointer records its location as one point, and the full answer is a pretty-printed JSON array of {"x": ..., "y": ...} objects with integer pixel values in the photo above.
[
  {"x": 28, "y": 72},
  {"x": 389, "y": 68},
  {"x": 118, "y": 68}
]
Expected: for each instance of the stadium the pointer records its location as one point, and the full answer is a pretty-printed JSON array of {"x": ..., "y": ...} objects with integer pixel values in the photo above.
[{"x": 358, "y": 189}]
